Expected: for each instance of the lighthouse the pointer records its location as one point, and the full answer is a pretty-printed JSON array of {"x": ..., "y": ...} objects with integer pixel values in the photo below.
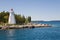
[{"x": 11, "y": 17}]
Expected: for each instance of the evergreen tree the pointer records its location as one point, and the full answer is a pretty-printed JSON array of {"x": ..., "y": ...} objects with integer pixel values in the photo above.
[{"x": 4, "y": 16}]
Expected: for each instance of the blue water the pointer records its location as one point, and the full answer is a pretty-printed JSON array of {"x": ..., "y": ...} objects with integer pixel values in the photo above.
[{"x": 44, "y": 33}]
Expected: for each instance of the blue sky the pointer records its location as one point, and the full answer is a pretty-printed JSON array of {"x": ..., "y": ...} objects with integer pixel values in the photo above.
[{"x": 37, "y": 9}]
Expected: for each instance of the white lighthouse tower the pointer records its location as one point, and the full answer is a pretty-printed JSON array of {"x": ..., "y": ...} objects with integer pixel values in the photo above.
[{"x": 11, "y": 17}]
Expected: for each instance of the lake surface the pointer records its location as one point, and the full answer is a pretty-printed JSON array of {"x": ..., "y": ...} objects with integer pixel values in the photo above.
[{"x": 44, "y": 33}]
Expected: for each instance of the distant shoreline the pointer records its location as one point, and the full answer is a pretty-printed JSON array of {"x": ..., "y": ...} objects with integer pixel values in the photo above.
[{"x": 49, "y": 21}]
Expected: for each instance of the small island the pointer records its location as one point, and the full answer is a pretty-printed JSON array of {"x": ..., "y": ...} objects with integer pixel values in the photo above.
[{"x": 10, "y": 20}]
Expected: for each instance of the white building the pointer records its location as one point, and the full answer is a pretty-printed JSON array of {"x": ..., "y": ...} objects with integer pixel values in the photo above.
[{"x": 11, "y": 17}]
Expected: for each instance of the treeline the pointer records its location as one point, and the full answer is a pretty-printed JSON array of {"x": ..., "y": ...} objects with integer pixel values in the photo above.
[{"x": 4, "y": 16}]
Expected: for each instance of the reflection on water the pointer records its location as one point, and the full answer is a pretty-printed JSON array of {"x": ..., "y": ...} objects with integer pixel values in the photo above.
[{"x": 10, "y": 34}]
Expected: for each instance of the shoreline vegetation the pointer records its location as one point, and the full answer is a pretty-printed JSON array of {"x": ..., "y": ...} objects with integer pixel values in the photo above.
[
  {"x": 21, "y": 22},
  {"x": 4, "y": 16}
]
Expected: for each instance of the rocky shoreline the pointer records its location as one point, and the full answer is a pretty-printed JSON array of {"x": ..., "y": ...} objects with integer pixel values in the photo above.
[{"x": 24, "y": 26}]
